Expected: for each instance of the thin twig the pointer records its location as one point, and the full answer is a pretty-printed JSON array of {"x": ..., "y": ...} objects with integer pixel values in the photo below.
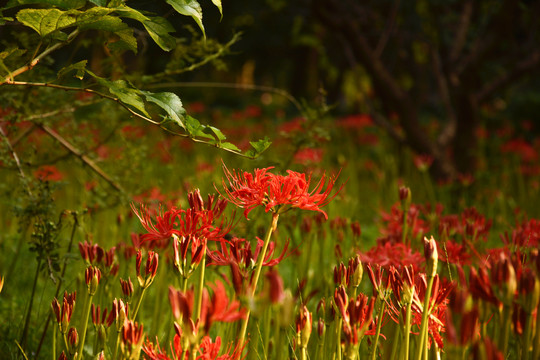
[
  {"x": 221, "y": 51},
  {"x": 91, "y": 91},
  {"x": 66, "y": 144},
  {"x": 388, "y": 30},
  {"x": 38, "y": 58},
  {"x": 447, "y": 134},
  {"x": 17, "y": 161}
]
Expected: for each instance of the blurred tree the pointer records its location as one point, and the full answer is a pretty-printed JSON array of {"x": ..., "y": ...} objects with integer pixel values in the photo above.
[{"x": 441, "y": 60}]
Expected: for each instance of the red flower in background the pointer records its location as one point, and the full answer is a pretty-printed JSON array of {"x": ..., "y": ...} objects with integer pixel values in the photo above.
[
  {"x": 396, "y": 254},
  {"x": 308, "y": 156},
  {"x": 48, "y": 173}
]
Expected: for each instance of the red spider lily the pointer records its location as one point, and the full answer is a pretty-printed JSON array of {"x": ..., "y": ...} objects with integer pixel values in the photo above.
[
  {"x": 163, "y": 229},
  {"x": 247, "y": 190},
  {"x": 213, "y": 203},
  {"x": 380, "y": 285},
  {"x": 356, "y": 314},
  {"x": 196, "y": 222},
  {"x": 181, "y": 248},
  {"x": 275, "y": 287},
  {"x": 350, "y": 275},
  {"x": 453, "y": 253},
  {"x": 431, "y": 255},
  {"x": 237, "y": 253},
  {"x": 437, "y": 306},
  {"x": 480, "y": 286},
  {"x": 423, "y": 161},
  {"x": 102, "y": 318},
  {"x": 119, "y": 312},
  {"x": 92, "y": 276},
  {"x": 48, "y": 173},
  {"x": 392, "y": 230},
  {"x": 150, "y": 269},
  {"x": 303, "y": 326},
  {"x": 217, "y": 309},
  {"x": 263, "y": 188},
  {"x": 73, "y": 339},
  {"x": 127, "y": 288},
  {"x": 93, "y": 254},
  {"x": 132, "y": 338},
  {"x": 396, "y": 254},
  {"x": 464, "y": 316},
  {"x": 308, "y": 156},
  {"x": 155, "y": 352},
  {"x": 63, "y": 314}
]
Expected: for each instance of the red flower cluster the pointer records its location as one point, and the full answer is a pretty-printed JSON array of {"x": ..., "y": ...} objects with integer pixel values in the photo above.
[{"x": 277, "y": 193}]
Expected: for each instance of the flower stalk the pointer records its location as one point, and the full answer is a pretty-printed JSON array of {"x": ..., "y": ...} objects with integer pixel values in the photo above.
[{"x": 268, "y": 236}]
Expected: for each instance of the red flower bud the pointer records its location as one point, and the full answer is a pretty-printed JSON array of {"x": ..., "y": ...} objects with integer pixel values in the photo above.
[{"x": 431, "y": 256}]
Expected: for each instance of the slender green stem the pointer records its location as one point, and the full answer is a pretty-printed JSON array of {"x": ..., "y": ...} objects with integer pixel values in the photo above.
[
  {"x": 58, "y": 286},
  {"x": 378, "y": 332},
  {"x": 138, "y": 303},
  {"x": 86, "y": 316},
  {"x": 54, "y": 343},
  {"x": 117, "y": 343},
  {"x": 405, "y": 228},
  {"x": 30, "y": 305},
  {"x": 407, "y": 333},
  {"x": 196, "y": 314},
  {"x": 527, "y": 337},
  {"x": 271, "y": 229},
  {"x": 395, "y": 345},
  {"x": 425, "y": 317},
  {"x": 506, "y": 324},
  {"x": 536, "y": 343},
  {"x": 303, "y": 353},
  {"x": 338, "y": 339}
]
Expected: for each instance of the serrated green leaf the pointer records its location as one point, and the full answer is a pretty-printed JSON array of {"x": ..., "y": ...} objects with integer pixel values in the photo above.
[
  {"x": 258, "y": 147},
  {"x": 46, "y": 21},
  {"x": 218, "y": 5},
  {"x": 80, "y": 67},
  {"x": 215, "y": 132},
  {"x": 189, "y": 8},
  {"x": 230, "y": 146},
  {"x": 50, "y": 22},
  {"x": 193, "y": 126},
  {"x": 158, "y": 28},
  {"x": 127, "y": 95},
  {"x": 169, "y": 102}
]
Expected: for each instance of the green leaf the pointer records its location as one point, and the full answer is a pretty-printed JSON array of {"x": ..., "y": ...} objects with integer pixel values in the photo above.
[
  {"x": 218, "y": 5},
  {"x": 127, "y": 95},
  {"x": 158, "y": 28},
  {"x": 215, "y": 132},
  {"x": 62, "y": 4},
  {"x": 46, "y": 21},
  {"x": 51, "y": 21},
  {"x": 258, "y": 147},
  {"x": 169, "y": 102},
  {"x": 189, "y": 8},
  {"x": 195, "y": 128},
  {"x": 99, "y": 2},
  {"x": 230, "y": 146},
  {"x": 80, "y": 67}
]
